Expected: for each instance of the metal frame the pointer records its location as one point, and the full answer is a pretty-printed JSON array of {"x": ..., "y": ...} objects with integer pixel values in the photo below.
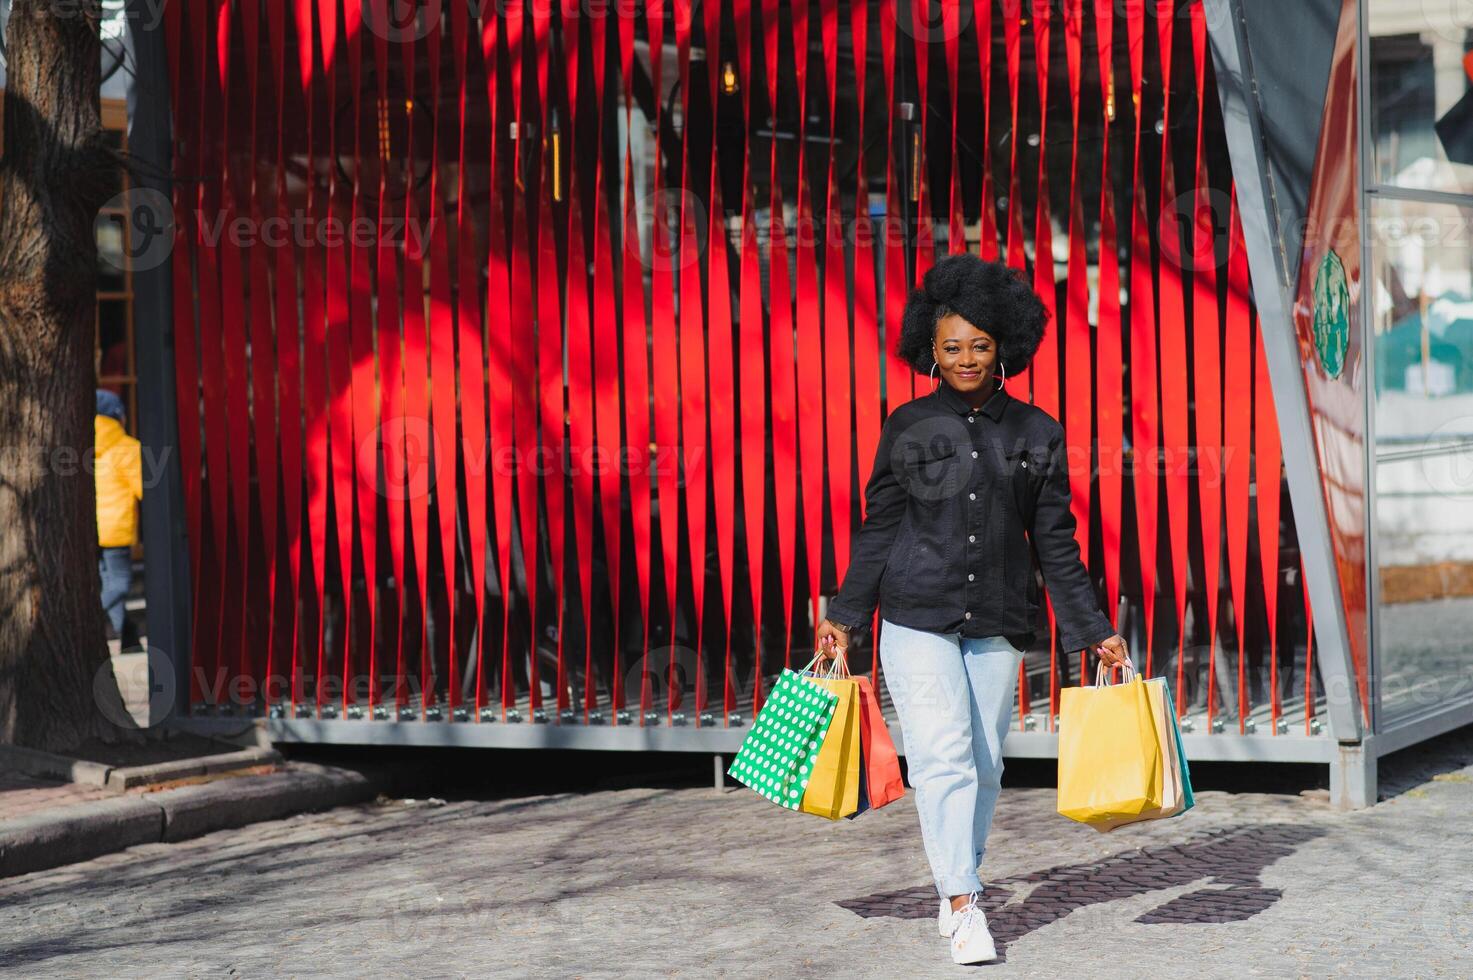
[
  {"x": 1242, "y": 118},
  {"x": 661, "y": 738}
]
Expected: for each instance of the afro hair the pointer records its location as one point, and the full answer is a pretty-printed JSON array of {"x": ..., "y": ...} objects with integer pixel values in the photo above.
[{"x": 988, "y": 295}]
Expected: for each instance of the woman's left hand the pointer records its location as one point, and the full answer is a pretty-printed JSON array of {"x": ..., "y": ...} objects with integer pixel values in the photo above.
[{"x": 1112, "y": 652}]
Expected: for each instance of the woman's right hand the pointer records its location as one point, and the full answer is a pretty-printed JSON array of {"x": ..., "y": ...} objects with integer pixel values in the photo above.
[{"x": 831, "y": 641}]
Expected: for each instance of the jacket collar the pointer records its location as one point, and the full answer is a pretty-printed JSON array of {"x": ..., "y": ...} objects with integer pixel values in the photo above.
[{"x": 993, "y": 407}]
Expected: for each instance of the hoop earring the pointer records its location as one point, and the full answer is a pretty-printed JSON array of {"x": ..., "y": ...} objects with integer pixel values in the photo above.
[
  {"x": 1002, "y": 381},
  {"x": 934, "y": 366}
]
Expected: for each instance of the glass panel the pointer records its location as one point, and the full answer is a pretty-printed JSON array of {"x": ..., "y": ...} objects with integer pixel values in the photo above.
[
  {"x": 1422, "y": 319},
  {"x": 1421, "y": 95}
]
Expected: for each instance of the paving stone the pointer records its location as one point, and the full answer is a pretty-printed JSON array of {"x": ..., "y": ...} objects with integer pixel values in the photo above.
[{"x": 662, "y": 882}]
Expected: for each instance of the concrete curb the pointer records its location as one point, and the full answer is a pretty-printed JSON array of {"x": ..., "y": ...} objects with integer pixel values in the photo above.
[{"x": 53, "y": 838}]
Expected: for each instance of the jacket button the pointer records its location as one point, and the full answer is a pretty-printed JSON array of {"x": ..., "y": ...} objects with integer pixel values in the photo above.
[
  {"x": 974, "y": 496},
  {"x": 972, "y": 577},
  {"x": 972, "y": 538},
  {"x": 1025, "y": 464},
  {"x": 971, "y": 418},
  {"x": 969, "y": 615},
  {"x": 974, "y": 454}
]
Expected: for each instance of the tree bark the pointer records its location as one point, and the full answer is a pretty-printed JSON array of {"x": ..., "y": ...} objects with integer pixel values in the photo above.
[{"x": 56, "y": 678}]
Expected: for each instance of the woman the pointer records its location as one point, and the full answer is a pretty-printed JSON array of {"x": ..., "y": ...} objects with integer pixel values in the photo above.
[{"x": 964, "y": 478}]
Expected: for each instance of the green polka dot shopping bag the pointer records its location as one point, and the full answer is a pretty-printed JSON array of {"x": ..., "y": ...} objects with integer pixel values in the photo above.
[{"x": 776, "y": 757}]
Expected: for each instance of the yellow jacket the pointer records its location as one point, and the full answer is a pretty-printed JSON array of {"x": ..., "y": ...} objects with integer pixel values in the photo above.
[{"x": 119, "y": 472}]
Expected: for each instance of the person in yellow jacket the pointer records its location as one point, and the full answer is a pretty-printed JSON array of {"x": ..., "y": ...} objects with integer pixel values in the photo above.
[{"x": 119, "y": 475}]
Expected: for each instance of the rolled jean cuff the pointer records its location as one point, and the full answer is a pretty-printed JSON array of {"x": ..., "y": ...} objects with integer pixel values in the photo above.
[{"x": 958, "y": 885}]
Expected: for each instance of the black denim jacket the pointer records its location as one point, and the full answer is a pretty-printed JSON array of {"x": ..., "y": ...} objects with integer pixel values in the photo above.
[{"x": 951, "y": 506}]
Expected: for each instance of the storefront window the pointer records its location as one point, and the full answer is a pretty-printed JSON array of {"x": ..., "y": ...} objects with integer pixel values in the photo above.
[
  {"x": 1422, "y": 93},
  {"x": 1422, "y": 323}
]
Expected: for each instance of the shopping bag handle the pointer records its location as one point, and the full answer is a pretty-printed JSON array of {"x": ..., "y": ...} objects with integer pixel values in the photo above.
[
  {"x": 1104, "y": 673},
  {"x": 838, "y": 667}
]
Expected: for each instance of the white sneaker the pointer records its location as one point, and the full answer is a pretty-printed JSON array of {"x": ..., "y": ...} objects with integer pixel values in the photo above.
[
  {"x": 946, "y": 919},
  {"x": 970, "y": 940}
]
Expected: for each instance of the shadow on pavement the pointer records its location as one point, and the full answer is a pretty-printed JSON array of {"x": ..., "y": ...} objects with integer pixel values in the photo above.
[{"x": 1228, "y": 861}]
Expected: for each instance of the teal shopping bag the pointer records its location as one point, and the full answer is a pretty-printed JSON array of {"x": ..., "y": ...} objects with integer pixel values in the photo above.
[
  {"x": 1188, "y": 800},
  {"x": 777, "y": 754}
]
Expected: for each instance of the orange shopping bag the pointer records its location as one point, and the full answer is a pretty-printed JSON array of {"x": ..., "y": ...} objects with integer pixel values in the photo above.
[{"x": 878, "y": 759}]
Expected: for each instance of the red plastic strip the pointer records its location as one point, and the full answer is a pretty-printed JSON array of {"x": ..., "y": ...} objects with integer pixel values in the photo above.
[
  {"x": 238, "y": 597},
  {"x": 692, "y": 364},
  {"x": 288, "y": 383},
  {"x": 1013, "y": 47},
  {"x": 900, "y": 378},
  {"x": 1109, "y": 399},
  {"x": 810, "y": 341},
  {"x": 1144, "y": 411},
  {"x": 752, "y": 367},
  {"x": 315, "y": 393},
  {"x": 524, "y": 357},
  {"x": 607, "y": 437},
  {"x": 722, "y": 377},
  {"x": 1078, "y": 368},
  {"x": 258, "y": 655},
  {"x": 635, "y": 455},
  {"x": 1268, "y": 483},
  {"x": 1173, "y": 352},
  {"x": 838, "y": 341},
  {"x": 186, "y": 346},
  {"x": 1237, "y": 363},
  {"x": 951, "y": 30},
  {"x": 1207, "y": 358},
  {"x": 390, "y": 346},
  {"x": 867, "y": 350},
  {"x": 982, "y": 14},
  {"x": 782, "y": 363},
  {"x": 500, "y": 351},
  {"x": 666, "y": 367},
  {"x": 1043, "y": 372}
]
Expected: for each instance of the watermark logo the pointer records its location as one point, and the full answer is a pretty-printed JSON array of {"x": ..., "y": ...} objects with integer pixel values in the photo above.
[
  {"x": 402, "y": 21},
  {"x": 148, "y": 216}
]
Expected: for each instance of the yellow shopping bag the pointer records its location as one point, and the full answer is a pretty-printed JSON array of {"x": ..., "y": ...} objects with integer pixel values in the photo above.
[
  {"x": 833, "y": 786},
  {"x": 1110, "y": 760},
  {"x": 1173, "y": 796}
]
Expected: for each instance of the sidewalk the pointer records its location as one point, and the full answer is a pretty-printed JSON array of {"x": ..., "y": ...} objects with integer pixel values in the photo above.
[{"x": 57, "y": 810}]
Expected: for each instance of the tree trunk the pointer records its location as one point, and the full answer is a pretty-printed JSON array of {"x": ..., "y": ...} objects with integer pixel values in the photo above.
[{"x": 55, "y": 674}]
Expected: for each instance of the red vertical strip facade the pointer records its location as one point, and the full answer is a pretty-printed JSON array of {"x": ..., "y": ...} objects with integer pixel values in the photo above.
[{"x": 325, "y": 357}]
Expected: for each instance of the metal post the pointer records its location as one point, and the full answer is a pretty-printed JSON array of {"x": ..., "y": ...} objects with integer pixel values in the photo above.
[
  {"x": 166, "y": 548},
  {"x": 1353, "y": 776},
  {"x": 718, "y": 773}
]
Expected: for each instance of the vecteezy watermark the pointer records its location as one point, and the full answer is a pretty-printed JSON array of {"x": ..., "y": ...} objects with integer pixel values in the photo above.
[
  {"x": 32, "y": 462},
  {"x": 149, "y": 219},
  {"x": 150, "y": 685},
  {"x": 1450, "y": 20},
  {"x": 417, "y": 457},
  {"x": 1198, "y": 224}
]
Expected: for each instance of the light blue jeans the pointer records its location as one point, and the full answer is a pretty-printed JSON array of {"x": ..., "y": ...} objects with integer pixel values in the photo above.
[{"x": 954, "y": 697}]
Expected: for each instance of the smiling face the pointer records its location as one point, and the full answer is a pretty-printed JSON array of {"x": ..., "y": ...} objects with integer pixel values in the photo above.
[{"x": 966, "y": 357}]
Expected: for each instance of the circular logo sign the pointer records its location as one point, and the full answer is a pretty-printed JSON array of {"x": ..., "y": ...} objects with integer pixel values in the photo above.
[{"x": 1331, "y": 314}]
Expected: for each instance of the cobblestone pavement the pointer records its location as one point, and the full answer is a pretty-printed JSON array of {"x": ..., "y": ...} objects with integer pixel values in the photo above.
[{"x": 686, "y": 882}]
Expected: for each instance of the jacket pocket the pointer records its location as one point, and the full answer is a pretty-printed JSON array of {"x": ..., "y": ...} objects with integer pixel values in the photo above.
[{"x": 931, "y": 472}]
